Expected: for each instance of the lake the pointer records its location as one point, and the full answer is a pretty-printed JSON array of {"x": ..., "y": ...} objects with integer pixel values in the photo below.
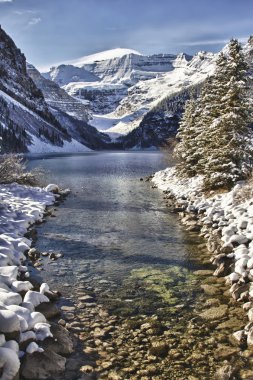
[{"x": 128, "y": 263}]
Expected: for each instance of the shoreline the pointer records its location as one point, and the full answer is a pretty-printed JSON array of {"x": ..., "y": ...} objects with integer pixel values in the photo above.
[
  {"x": 225, "y": 222},
  {"x": 31, "y": 345}
]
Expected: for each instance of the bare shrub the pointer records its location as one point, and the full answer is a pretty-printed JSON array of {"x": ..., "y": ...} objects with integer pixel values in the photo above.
[{"x": 13, "y": 169}]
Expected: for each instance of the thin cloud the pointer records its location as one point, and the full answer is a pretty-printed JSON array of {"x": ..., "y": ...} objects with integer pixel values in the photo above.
[
  {"x": 22, "y": 13},
  {"x": 34, "y": 21},
  {"x": 211, "y": 42},
  {"x": 6, "y": 1}
]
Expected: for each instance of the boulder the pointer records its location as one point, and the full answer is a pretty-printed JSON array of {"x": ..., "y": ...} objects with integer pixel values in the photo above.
[
  {"x": 61, "y": 343},
  {"x": 10, "y": 298},
  {"x": 42, "y": 365},
  {"x": 35, "y": 298},
  {"x": 48, "y": 309},
  {"x": 159, "y": 349},
  {"x": 250, "y": 315},
  {"x": 238, "y": 338},
  {"x": 239, "y": 290},
  {"x": 223, "y": 269},
  {"x": 34, "y": 254}
]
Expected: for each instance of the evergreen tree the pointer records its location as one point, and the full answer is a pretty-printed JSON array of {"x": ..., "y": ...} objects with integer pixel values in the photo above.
[
  {"x": 231, "y": 153},
  {"x": 218, "y": 123},
  {"x": 186, "y": 151}
]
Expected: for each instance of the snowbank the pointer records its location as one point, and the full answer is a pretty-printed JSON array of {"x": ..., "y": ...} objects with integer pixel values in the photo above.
[
  {"x": 226, "y": 221},
  {"x": 20, "y": 207}
]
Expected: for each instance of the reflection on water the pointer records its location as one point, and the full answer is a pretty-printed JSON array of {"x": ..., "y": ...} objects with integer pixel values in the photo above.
[{"x": 111, "y": 215}]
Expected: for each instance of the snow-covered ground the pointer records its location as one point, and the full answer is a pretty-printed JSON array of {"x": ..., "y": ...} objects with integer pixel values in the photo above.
[
  {"x": 226, "y": 221},
  {"x": 73, "y": 146},
  {"x": 20, "y": 206},
  {"x": 114, "y": 126}
]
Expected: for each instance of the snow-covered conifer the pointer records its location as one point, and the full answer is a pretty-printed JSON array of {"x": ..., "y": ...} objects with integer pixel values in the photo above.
[{"x": 215, "y": 138}]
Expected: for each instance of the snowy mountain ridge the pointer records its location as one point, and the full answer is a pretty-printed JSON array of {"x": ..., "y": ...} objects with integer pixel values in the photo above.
[{"x": 101, "y": 56}]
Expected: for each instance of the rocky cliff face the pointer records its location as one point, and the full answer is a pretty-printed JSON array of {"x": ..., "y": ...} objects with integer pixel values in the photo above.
[
  {"x": 69, "y": 111},
  {"x": 15, "y": 82},
  {"x": 132, "y": 68},
  {"x": 24, "y": 113},
  {"x": 36, "y": 114},
  {"x": 57, "y": 98}
]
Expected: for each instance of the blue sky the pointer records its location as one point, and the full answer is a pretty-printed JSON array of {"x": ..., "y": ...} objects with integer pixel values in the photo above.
[{"x": 52, "y": 31}]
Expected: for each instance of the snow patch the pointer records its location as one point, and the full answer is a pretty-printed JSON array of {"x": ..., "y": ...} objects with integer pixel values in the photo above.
[{"x": 101, "y": 56}]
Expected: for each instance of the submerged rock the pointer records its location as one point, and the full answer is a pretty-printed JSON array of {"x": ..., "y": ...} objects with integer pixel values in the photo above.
[
  {"x": 210, "y": 290},
  {"x": 225, "y": 372},
  {"x": 214, "y": 313},
  {"x": 225, "y": 352},
  {"x": 159, "y": 349}
]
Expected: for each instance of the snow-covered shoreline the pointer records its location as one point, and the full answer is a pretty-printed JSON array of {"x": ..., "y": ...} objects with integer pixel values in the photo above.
[
  {"x": 226, "y": 221},
  {"x": 20, "y": 323}
]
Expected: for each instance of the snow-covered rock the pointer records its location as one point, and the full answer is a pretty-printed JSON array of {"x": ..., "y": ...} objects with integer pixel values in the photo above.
[
  {"x": 9, "y": 321},
  {"x": 35, "y": 298},
  {"x": 42, "y": 331},
  {"x": 52, "y": 188},
  {"x": 9, "y": 363},
  {"x": 21, "y": 206},
  {"x": 33, "y": 347},
  {"x": 21, "y": 286}
]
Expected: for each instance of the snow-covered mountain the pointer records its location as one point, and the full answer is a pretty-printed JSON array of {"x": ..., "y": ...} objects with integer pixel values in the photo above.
[
  {"x": 129, "y": 86},
  {"x": 138, "y": 100},
  {"x": 131, "y": 100},
  {"x": 111, "y": 77},
  {"x": 42, "y": 116}
]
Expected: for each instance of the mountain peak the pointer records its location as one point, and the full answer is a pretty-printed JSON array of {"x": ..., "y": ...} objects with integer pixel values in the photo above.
[{"x": 102, "y": 56}]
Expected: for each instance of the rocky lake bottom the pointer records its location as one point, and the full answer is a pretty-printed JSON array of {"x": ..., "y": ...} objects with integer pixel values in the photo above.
[{"x": 173, "y": 323}]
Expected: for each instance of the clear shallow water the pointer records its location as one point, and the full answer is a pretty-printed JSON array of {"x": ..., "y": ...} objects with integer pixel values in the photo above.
[
  {"x": 111, "y": 215},
  {"x": 122, "y": 246}
]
